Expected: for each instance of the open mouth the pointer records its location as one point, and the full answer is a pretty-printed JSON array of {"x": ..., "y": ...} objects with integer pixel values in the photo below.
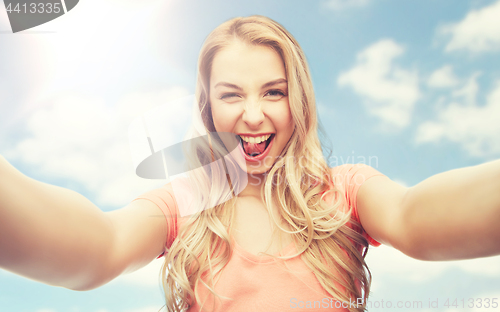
[{"x": 254, "y": 149}]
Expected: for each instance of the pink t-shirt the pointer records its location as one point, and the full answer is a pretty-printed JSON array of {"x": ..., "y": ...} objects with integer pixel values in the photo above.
[{"x": 259, "y": 283}]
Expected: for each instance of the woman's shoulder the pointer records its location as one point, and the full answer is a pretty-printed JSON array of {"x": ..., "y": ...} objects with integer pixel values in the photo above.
[
  {"x": 167, "y": 198},
  {"x": 161, "y": 196},
  {"x": 168, "y": 194},
  {"x": 348, "y": 178}
]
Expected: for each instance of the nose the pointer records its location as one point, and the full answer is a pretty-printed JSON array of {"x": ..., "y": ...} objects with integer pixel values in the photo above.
[{"x": 253, "y": 115}]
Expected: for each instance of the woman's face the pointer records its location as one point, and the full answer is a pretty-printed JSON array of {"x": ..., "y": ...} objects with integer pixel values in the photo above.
[{"x": 249, "y": 97}]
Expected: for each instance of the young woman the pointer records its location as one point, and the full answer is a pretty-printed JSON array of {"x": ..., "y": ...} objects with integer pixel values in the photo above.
[{"x": 296, "y": 230}]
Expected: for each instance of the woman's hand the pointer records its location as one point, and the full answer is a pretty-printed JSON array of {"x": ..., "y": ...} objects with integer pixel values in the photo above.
[
  {"x": 452, "y": 215},
  {"x": 57, "y": 236}
]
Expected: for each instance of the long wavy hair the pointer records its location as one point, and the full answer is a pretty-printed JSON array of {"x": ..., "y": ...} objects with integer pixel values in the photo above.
[{"x": 325, "y": 236}]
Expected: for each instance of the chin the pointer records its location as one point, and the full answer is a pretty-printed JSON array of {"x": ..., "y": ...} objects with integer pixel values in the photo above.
[{"x": 258, "y": 171}]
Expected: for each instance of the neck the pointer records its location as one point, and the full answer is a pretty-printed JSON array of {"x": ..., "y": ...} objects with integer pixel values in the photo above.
[{"x": 254, "y": 186}]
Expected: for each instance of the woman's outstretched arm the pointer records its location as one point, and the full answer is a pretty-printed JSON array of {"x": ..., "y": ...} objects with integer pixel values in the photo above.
[
  {"x": 58, "y": 237},
  {"x": 451, "y": 215}
]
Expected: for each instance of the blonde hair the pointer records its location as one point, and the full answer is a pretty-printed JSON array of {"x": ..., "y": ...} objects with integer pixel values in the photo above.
[{"x": 326, "y": 237}]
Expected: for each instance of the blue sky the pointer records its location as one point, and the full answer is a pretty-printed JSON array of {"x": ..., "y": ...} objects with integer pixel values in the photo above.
[{"x": 413, "y": 86}]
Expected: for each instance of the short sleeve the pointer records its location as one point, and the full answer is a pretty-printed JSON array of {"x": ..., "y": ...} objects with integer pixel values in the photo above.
[
  {"x": 349, "y": 178},
  {"x": 164, "y": 199}
]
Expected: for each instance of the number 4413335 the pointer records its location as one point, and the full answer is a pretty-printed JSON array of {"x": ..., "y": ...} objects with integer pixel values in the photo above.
[
  {"x": 33, "y": 8},
  {"x": 472, "y": 303}
]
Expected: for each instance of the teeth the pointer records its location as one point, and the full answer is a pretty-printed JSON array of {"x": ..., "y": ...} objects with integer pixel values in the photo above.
[{"x": 255, "y": 139}]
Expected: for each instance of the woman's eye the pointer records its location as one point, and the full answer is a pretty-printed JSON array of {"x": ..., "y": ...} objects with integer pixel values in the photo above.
[
  {"x": 275, "y": 94},
  {"x": 228, "y": 96}
]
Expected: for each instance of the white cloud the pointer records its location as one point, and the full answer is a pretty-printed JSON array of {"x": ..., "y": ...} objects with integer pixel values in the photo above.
[
  {"x": 113, "y": 53},
  {"x": 389, "y": 91},
  {"x": 338, "y": 5},
  {"x": 475, "y": 127},
  {"x": 146, "y": 309},
  {"x": 385, "y": 260},
  {"x": 143, "y": 309},
  {"x": 479, "y": 31},
  {"x": 468, "y": 93},
  {"x": 488, "y": 267},
  {"x": 401, "y": 182},
  {"x": 443, "y": 78},
  {"x": 148, "y": 276},
  {"x": 388, "y": 261},
  {"x": 85, "y": 140},
  {"x": 324, "y": 111}
]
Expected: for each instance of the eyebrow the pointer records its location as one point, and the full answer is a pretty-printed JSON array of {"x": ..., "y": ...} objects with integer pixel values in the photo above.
[
  {"x": 274, "y": 82},
  {"x": 227, "y": 84},
  {"x": 266, "y": 85}
]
